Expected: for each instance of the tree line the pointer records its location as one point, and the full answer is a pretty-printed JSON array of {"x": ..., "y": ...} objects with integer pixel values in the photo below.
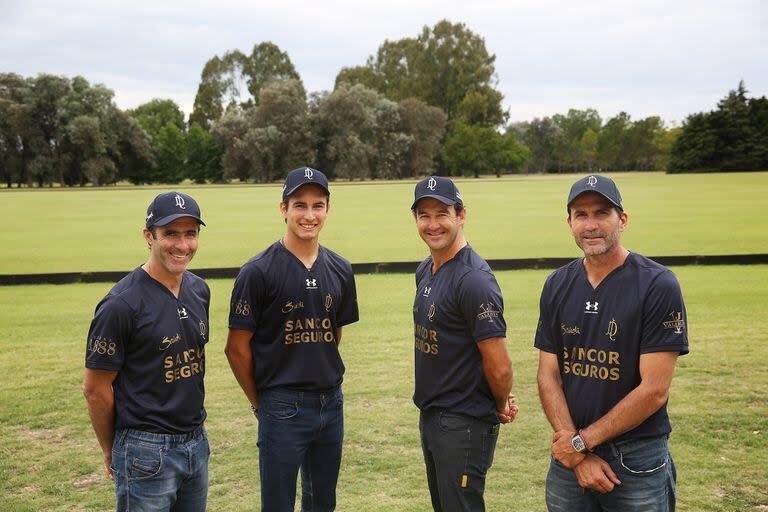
[
  {"x": 420, "y": 105},
  {"x": 734, "y": 137}
]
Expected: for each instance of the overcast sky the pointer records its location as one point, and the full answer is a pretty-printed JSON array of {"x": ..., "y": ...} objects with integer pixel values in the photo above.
[{"x": 656, "y": 57}]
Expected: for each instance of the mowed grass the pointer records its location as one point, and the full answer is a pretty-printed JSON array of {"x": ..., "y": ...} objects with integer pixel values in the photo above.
[
  {"x": 517, "y": 216},
  {"x": 49, "y": 459}
]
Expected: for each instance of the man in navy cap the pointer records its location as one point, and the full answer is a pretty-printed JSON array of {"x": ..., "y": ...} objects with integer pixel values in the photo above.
[
  {"x": 463, "y": 370},
  {"x": 145, "y": 363},
  {"x": 289, "y": 304},
  {"x": 611, "y": 327}
]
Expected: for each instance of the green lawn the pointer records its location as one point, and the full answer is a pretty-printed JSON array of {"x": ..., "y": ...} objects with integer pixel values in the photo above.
[
  {"x": 49, "y": 459},
  {"x": 518, "y": 216}
]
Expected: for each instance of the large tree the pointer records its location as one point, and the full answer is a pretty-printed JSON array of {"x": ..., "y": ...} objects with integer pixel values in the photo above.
[
  {"x": 359, "y": 134},
  {"x": 541, "y": 137},
  {"x": 613, "y": 141},
  {"x": 19, "y": 132},
  {"x": 736, "y": 140},
  {"x": 156, "y": 114},
  {"x": 262, "y": 143},
  {"x": 472, "y": 150},
  {"x": 569, "y": 148},
  {"x": 237, "y": 79},
  {"x": 447, "y": 66},
  {"x": 734, "y": 137},
  {"x": 426, "y": 125},
  {"x": 56, "y": 129},
  {"x": 203, "y": 156}
]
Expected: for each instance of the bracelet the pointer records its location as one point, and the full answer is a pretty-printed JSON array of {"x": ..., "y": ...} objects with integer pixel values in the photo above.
[{"x": 255, "y": 410}]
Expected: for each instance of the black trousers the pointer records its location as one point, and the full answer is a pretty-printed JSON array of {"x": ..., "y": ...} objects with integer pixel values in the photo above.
[{"x": 458, "y": 451}]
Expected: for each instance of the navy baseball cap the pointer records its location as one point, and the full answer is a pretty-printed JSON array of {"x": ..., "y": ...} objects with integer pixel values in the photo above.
[
  {"x": 602, "y": 185},
  {"x": 169, "y": 206},
  {"x": 438, "y": 188},
  {"x": 304, "y": 176}
]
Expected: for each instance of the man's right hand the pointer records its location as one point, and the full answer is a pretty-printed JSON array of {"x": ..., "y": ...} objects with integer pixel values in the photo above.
[
  {"x": 108, "y": 465},
  {"x": 562, "y": 449},
  {"x": 594, "y": 473}
]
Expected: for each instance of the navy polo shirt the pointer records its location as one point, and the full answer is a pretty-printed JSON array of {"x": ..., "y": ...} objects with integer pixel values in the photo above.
[
  {"x": 455, "y": 308},
  {"x": 599, "y": 334},
  {"x": 293, "y": 314},
  {"x": 156, "y": 344}
]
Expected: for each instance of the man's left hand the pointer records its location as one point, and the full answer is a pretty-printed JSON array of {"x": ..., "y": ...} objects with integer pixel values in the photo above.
[
  {"x": 508, "y": 414},
  {"x": 595, "y": 473}
]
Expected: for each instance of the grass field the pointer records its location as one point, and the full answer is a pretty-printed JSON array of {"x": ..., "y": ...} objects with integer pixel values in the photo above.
[
  {"x": 49, "y": 459},
  {"x": 518, "y": 216}
]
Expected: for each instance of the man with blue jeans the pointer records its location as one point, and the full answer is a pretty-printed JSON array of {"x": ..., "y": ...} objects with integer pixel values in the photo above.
[
  {"x": 611, "y": 327},
  {"x": 288, "y": 306},
  {"x": 145, "y": 364}
]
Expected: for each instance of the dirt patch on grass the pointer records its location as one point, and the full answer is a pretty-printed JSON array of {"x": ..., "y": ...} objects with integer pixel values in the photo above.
[
  {"x": 88, "y": 480},
  {"x": 45, "y": 436},
  {"x": 59, "y": 436}
]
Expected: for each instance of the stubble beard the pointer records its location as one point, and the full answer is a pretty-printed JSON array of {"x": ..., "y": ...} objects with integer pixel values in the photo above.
[{"x": 610, "y": 241}]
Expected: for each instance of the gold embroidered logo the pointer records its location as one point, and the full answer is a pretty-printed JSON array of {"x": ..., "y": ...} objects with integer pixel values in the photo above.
[
  {"x": 431, "y": 312},
  {"x": 488, "y": 312},
  {"x": 566, "y": 330},
  {"x": 102, "y": 346},
  {"x": 167, "y": 342},
  {"x": 203, "y": 329},
  {"x": 613, "y": 329},
  {"x": 676, "y": 322},
  {"x": 328, "y": 302},
  {"x": 241, "y": 308},
  {"x": 290, "y": 306}
]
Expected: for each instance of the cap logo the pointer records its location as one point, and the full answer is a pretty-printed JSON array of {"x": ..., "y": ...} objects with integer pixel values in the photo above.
[
  {"x": 180, "y": 202},
  {"x": 458, "y": 196},
  {"x": 308, "y": 173},
  {"x": 150, "y": 216},
  {"x": 592, "y": 181},
  {"x": 432, "y": 183}
]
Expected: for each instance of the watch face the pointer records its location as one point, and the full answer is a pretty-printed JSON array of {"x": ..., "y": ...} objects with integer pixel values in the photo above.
[{"x": 578, "y": 444}]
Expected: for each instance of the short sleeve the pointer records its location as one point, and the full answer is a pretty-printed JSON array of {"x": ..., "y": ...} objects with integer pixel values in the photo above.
[
  {"x": 348, "y": 312},
  {"x": 665, "y": 326},
  {"x": 246, "y": 300},
  {"x": 207, "y": 301},
  {"x": 482, "y": 305},
  {"x": 109, "y": 334},
  {"x": 545, "y": 334}
]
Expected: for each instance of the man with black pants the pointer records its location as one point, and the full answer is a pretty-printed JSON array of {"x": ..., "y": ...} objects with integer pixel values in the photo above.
[
  {"x": 288, "y": 306},
  {"x": 463, "y": 371},
  {"x": 145, "y": 363},
  {"x": 611, "y": 327}
]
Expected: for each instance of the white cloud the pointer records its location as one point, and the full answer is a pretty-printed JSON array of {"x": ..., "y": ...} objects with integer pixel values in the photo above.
[{"x": 651, "y": 57}]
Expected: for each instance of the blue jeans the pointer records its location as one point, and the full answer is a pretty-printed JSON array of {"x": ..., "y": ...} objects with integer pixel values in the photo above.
[
  {"x": 644, "y": 467},
  {"x": 458, "y": 452},
  {"x": 300, "y": 430},
  {"x": 157, "y": 472}
]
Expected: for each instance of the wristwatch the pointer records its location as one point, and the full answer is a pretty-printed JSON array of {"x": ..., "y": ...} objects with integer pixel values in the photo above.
[
  {"x": 578, "y": 444},
  {"x": 255, "y": 410}
]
